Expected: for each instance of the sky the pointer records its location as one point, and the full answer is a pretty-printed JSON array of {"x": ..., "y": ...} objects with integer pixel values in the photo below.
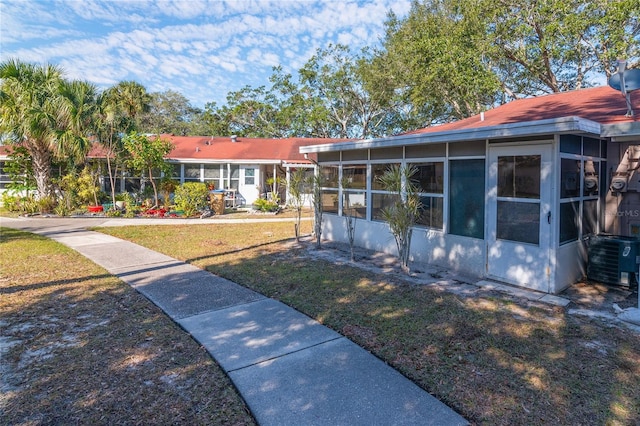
[{"x": 203, "y": 49}]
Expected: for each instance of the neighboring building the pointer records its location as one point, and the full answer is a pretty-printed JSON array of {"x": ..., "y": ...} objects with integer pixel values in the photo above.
[
  {"x": 242, "y": 166},
  {"x": 512, "y": 194}
]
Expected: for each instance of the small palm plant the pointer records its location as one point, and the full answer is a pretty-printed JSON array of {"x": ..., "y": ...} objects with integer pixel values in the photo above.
[
  {"x": 316, "y": 182},
  {"x": 403, "y": 213},
  {"x": 349, "y": 218}
]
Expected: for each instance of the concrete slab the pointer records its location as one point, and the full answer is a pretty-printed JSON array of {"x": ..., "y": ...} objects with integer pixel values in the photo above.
[
  {"x": 337, "y": 383},
  {"x": 631, "y": 315},
  {"x": 555, "y": 300},
  {"x": 86, "y": 238},
  {"x": 183, "y": 290},
  {"x": 522, "y": 292},
  {"x": 258, "y": 331},
  {"x": 122, "y": 254}
]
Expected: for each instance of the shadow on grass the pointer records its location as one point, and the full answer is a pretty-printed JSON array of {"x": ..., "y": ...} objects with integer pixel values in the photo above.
[
  {"x": 494, "y": 360},
  {"x": 53, "y": 283},
  {"x": 236, "y": 251},
  {"x": 88, "y": 349}
]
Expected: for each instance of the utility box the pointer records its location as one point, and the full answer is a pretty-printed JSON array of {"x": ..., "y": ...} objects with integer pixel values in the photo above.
[{"x": 613, "y": 260}]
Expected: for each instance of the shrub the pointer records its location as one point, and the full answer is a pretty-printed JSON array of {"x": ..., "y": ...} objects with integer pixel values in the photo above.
[
  {"x": 191, "y": 197},
  {"x": 29, "y": 205},
  {"x": 114, "y": 213},
  {"x": 266, "y": 205},
  {"x": 47, "y": 204},
  {"x": 11, "y": 202},
  {"x": 167, "y": 187},
  {"x": 62, "y": 209},
  {"x": 20, "y": 204},
  {"x": 87, "y": 187}
]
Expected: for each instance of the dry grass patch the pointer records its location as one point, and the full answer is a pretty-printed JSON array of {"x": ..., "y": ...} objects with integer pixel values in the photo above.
[
  {"x": 497, "y": 361},
  {"x": 81, "y": 347}
]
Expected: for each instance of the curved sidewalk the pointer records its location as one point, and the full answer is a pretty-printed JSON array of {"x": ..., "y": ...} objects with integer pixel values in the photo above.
[{"x": 290, "y": 369}]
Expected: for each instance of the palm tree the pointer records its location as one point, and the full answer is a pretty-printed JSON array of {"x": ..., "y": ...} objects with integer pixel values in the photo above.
[
  {"x": 117, "y": 113},
  {"x": 29, "y": 95},
  {"x": 45, "y": 114},
  {"x": 402, "y": 213},
  {"x": 133, "y": 100},
  {"x": 77, "y": 108}
]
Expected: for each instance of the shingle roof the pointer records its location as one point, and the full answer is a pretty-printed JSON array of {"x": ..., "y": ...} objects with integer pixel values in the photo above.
[
  {"x": 244, "y": 149},
  {"x": 603, "y": 105}
]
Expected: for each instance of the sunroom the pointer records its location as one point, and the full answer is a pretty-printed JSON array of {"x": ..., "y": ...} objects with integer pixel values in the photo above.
[{"x": 513, "y": 201}]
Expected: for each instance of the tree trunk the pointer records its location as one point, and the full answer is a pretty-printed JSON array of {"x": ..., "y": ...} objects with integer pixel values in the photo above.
[
  {"x": 155, "y": 190},
  {"x": 41, "y": 160}
]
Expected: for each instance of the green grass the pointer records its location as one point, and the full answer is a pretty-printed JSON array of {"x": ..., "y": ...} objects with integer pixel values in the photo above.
[
  {"x": 496, "y": 361},
  {"x": 82, "y": 347}
]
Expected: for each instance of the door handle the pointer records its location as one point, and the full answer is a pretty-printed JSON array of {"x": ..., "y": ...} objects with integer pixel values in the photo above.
[{"x": 549, "y": 218}]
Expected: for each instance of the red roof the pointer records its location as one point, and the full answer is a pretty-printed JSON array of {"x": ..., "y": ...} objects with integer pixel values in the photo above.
[
  {"x": 243, "y": 149},
  {"x": 207, "y": 148},
  {"x": 600, "y": 104}
]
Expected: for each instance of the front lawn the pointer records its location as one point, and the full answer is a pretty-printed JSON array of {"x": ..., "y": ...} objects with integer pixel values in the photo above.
[
  {"x": 497, "y": 361},
  {"x": 79, "y": 346}
]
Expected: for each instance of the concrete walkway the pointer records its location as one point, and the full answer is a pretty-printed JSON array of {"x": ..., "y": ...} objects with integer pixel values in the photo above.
[{"x": 290, "y": 369}]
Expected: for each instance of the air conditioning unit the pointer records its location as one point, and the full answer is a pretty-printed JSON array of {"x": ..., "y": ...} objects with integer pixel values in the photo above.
[{"x": 614, "y": 260}]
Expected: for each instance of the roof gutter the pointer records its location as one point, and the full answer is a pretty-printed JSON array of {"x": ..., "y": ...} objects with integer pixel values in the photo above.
[
  {"x": 219, "y": 161},
  {"x": 622, "y": 132},
  {"x": 529, "y": 128}
]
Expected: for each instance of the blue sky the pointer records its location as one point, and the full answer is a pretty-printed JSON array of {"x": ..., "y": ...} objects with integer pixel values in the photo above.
[{"x": 200, "y": 48}]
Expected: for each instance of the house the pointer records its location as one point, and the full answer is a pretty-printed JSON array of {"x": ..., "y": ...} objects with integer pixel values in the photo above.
[
  {"x": 513, "y": 194},
  {"x": 244, "y": 167}
]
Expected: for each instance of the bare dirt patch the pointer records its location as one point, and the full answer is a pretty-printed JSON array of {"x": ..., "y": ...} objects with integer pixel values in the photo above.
[{"x": 78, "y": 346}]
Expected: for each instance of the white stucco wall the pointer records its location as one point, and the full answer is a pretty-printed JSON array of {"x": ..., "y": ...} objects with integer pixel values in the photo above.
[
  {"x": 460, "y": 254},
  {"x": 570, "y": 267}
]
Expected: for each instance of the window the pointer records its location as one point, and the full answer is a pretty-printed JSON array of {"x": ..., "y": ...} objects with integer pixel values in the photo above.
[
  {"x": 379, "y": 202},
  {"x": 354, "y": 176},
  {"x": 519, "y": 176},
  {"x": 569, "y": 178},
  {"x": 518, "y": 221},
  {"x": 518, "y": 207},
  {"x": 230, "y": 176},
  {"x": 377, "y": 170},
  {"x": 591, "y": 178},
  {"x": 211, "y": 171},
  {"x": 431, "y": 212},
  {"x": 176, "y": 171},
  {"x": 354, "y": 203},
  {"x": 354, "y": 198},
  {"x": 249, "y": 176},
  {"x": 581, "y": 179},
  {"x": 330, "y": 201},
  {"x": 568, "y": 221},
  {"x": 4, "y": 175},
  {"x": 234, "y": 182},
  {"x": 589, "y": 217},
  {"x": 192, "y": 172},
  {"x": 429, "y": 178},
  {"x": 466, "y": 198},
  {"x": 330, "y": 176},
  {"x": 212, "y": 175}
]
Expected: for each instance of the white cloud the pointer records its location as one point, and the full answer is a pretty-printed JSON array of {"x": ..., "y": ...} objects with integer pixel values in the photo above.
[{"x": 201, "y": 48}]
